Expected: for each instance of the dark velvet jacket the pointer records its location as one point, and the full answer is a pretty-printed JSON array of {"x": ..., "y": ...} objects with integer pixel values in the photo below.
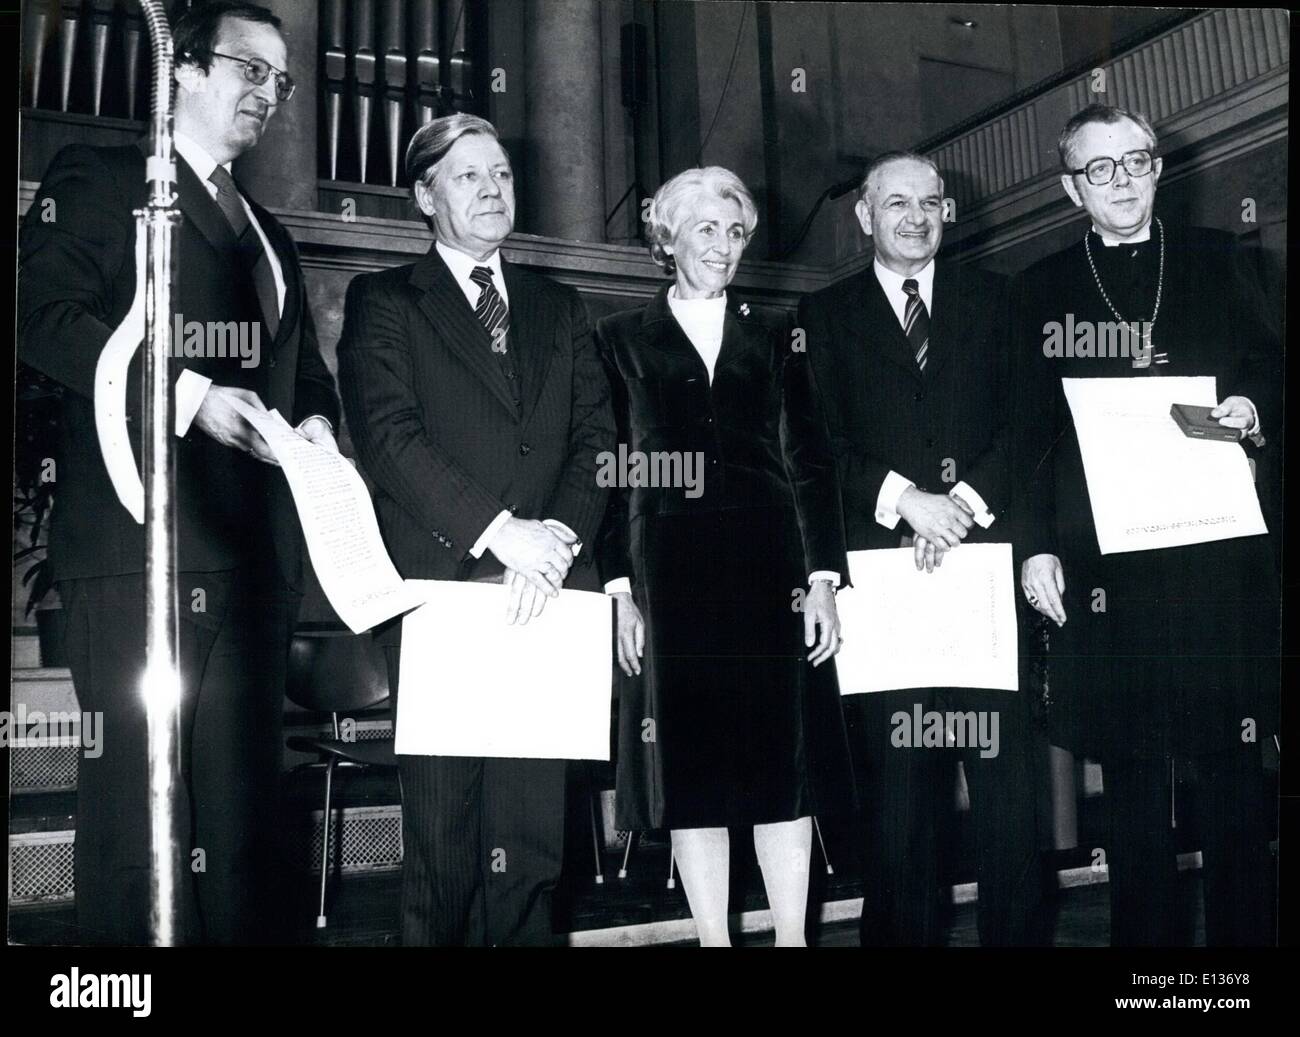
[{"x": 759, "y": 428}]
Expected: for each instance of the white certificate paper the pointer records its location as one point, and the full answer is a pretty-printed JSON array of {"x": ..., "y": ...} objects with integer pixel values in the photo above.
[
  {"x": 1150, "y": 485},
  {"x": 952, "y": 628},
  {"x": 339, "y": 525},
  {"x": 474, "y": 685}
]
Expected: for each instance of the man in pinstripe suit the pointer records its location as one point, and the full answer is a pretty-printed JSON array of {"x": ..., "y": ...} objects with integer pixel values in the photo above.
[
  {"x": 910, "y": 356},
  {"x": 478, "y": 407}
]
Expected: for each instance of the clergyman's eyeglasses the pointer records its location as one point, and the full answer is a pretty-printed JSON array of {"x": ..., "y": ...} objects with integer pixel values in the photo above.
[{"x": 1101, "y": 171}]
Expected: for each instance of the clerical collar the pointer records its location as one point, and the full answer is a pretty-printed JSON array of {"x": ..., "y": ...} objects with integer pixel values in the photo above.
[{"x": 1110, "y": 241}]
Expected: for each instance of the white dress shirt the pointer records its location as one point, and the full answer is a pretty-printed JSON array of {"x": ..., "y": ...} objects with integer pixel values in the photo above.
[
  {"x": 192, "y": 387},
  {"x": 461, "y": 266},
  {"x": 703, "y": 321},
  {"x": 894, "y": 484}
]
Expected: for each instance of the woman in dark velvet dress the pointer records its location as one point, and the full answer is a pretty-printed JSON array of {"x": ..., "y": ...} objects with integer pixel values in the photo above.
[{"x": 725, "y": 579}]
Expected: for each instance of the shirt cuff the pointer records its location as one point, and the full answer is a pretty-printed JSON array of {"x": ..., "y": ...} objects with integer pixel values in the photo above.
[
  {"x": 825, "y": 574},
  {"x": 480, "y": 545},
  {"x": 191, "y": 388},
  {"x": 622, "y": 585},
  {"x": 964, "y": 490},
  {"x": 887, "y": 499},
  {"x": 554, "y": 524}
]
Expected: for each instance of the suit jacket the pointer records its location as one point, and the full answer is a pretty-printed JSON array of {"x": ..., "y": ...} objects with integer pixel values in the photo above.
[
  {"x": 436, "y": 428},
  {"x": 758, "y": 427},
  {"x": 76, "y": 283},
  {"x": 938, "y": 427}
]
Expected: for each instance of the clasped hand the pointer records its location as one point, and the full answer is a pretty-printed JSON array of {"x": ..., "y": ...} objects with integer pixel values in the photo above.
[
  {"x": 940, "y": 519},
  {"x": 537, "y": 558}
]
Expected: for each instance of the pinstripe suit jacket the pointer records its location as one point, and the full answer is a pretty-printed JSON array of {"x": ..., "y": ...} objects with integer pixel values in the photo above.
[{"x": 435, "y": 424}]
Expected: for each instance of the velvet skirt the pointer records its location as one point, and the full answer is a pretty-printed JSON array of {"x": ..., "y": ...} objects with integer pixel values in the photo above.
[{"x": 728, "y": 723}]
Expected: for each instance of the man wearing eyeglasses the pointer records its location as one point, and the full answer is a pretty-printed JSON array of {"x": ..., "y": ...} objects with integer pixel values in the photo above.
[
  {"x": 239, "y": 552},
  {"x": 1164, "y": 661}
]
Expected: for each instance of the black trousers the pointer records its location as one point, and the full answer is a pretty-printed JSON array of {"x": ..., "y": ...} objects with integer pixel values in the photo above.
[
  {"x": 483, "y": 843},
  {"x": 1223, "y": 798},
  {"x": 907, "y": 796},
  {"x": 234, "y": 637}
]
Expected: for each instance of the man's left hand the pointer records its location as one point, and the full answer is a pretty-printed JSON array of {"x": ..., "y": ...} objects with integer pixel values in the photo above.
[
  {"x": 317, "y": 430},
  {"x": 927, "y": 555},
  {"x": 819, "y": 613},
  {"x": 526, "y": 601},
  {"x": 1235, "y": 412}
]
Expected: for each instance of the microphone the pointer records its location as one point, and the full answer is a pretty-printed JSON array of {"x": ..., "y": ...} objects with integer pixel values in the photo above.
[
  {"x": 830, "y": 194},
  {"x": 843, "y": 188}
]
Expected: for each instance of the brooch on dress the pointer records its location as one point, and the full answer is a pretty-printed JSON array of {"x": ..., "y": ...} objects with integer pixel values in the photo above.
[{"x": 744, "y": 309}]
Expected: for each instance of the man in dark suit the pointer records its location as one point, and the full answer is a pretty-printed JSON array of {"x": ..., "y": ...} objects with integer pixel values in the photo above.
[
  {"x": 478, "y": 407},
  {"x": 911, "y": 362},
  {"x": 1168, "y": 672},
  {"x": 239, "y": 552}
]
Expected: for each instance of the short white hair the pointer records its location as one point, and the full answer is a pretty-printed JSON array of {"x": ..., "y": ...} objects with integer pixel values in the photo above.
[{"x": 671, "y": 205}]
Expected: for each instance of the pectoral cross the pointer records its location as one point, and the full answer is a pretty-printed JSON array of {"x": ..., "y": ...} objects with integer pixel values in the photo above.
[{"x": 1144, "y": 354}]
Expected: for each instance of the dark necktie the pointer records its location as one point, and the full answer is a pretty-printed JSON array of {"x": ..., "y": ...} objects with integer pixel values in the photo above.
[
  {"x": 250, "y": 245},
  {"x": 494, "y": 315},
  {"x": 916, "y": 322}
]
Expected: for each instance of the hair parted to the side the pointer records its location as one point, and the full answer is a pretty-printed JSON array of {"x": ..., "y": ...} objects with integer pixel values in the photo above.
[
  {"x": 671, "y": 205},
  {"x": 1107, "y": 115},
  {"x": 880, "y": 161},
  {"x": 431, "y": 142},
  {"x": 194, "y": 36}
]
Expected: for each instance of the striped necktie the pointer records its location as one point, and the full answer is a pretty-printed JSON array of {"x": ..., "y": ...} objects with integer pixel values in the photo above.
[
  {"x": 916, "y": 322},
  {"x": 250, "y": 244},
  {"x": 494, "y": 315}
]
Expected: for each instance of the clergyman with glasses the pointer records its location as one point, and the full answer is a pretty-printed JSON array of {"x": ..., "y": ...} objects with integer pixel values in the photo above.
[{"x": 1164, "y": 661}]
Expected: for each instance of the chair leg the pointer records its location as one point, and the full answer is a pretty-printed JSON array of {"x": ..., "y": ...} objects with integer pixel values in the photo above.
[
  {"x": 627, "y": 852},
  {"x": 595, "y": 836},
  {"x": 325, "y": 842},
  {"x": 672, "y": 862},
  {"x": 818, "y": 829}
]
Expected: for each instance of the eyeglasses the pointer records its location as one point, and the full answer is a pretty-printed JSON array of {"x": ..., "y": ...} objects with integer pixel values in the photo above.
[
  {"x": 1101, "y": 171},
  {"x": 257, "y": 71}
]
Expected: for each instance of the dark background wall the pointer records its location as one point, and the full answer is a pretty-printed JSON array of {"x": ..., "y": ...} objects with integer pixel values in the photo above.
[{"x": 795, "y": 97}]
